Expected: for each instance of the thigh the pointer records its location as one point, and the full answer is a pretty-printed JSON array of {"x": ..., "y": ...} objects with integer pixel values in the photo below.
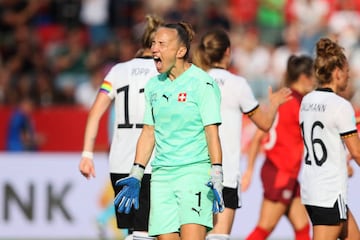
[
  {"x": 169, "y": 236},
  {"x": 223, "y": 222},
  {"x": 270, "y": 214},
  {"x": 192, "y": 232},
  {"x": 297, "y": 214},
  {"x": 180, "y": 196},
  {"x": 350, "y": 229},
  {"x": 164, "y": 217},
  {"x": 327, "y": 232},
  {"x": 195, "y": 199}
]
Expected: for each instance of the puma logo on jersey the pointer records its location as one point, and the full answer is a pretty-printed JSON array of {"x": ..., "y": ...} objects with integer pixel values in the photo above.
[
  {"x": 166, "y": 97},
  {"x": 197, "y": 211},
  {"x": 211, "y": 84}
]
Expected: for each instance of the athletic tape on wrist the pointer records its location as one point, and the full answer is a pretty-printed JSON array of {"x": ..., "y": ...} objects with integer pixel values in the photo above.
[{"x": 87, "y": 154}]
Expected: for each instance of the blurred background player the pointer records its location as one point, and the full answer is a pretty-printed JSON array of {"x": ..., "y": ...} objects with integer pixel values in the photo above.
[
  {"x": 22, "y": 135},
  {"x": 213, "y": 55},
  {"x": 328, "y": 128},
  {"x": 283, "y": 152},
  {"x": 124, "y": 84}
]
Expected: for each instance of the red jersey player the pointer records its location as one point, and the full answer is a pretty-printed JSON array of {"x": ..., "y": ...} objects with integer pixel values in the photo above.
[{"x": 283, "y": 151}]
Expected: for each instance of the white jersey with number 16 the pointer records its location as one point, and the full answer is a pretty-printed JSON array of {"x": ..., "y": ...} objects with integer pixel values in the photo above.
[{"x": 325, "y": 118}]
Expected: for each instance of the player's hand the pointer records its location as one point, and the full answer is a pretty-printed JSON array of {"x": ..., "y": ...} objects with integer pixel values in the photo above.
[
  {"x": 216, "y": 185},
  {"x": 87, "y": 168},
  {"x": 246, "y": 180},
  {"x": 129, "y": 194},
  {"x": 279, "y": 97}
]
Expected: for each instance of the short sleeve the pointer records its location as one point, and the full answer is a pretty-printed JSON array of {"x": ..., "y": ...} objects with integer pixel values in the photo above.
[
  {"x": 346, "y": 119},
  {"x": 148, "y": 115},
  {"x": 209, "y": 102},
  {"x": 248, "y": 100},
  {"x": 107, "y": 87}
]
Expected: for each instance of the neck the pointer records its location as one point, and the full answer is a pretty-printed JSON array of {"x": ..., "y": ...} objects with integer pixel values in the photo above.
[
  {"x": 221, "y": 64},
  {"x": 331, "y": 86},
  {"x": 178, "y": 69}
]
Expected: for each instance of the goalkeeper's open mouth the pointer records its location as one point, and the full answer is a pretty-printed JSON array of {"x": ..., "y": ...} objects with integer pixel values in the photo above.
[{"x": 158, "y": 63}]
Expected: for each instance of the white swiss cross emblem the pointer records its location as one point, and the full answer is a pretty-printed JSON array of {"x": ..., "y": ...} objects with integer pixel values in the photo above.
[{"x": 182, "y": 97}]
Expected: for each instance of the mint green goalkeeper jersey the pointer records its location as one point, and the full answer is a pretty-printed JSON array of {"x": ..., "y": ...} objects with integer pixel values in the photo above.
[{"x": 179, "y": 110}]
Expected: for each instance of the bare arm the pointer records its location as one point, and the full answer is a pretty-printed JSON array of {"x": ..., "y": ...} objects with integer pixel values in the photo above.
[
  {"x": 264, "y": 119},
  {"x": 214, "y": 146},
  {"x": 145, "y": 145},
  {"x": 101, "y": 104},
  {"x": 353, "y": 144},
  {"x": 252, "y": 154}
]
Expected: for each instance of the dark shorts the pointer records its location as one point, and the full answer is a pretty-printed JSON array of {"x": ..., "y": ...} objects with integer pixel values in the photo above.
[
  {"x": 136, "y": 220},
  {"x": 278, "y": 186},
  {"x": 231, "y": 198},
  {"x": 325, "y": 216}
]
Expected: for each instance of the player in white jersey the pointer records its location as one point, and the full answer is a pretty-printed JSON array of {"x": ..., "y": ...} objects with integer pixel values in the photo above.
[
  {"x": 124, "y": 85},
  {"x": 213, "y": 55},
  {"x": 327, "y": 123}
]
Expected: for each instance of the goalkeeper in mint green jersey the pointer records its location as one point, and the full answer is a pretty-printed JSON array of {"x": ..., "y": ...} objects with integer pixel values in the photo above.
[{"x": 181, "y": 121}]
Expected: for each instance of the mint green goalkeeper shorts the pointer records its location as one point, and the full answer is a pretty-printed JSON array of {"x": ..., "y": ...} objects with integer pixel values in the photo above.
[{"x": 179, "y": 195}]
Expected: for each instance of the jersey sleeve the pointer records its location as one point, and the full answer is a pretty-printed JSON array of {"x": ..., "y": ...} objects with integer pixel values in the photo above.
[
  {"x": 346, "y": 120},
  {"x": 248, "y": 101},
  {"x": 107, "y": 87},
  {"x": 209, "y": 102},
  {"x": 148, "y": 115}
]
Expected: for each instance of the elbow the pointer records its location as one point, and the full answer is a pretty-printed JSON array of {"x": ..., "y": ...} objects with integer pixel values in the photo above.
[
  {"x": 264, "y": 127},
  {"x": 356, "y": 156},
  {"x": 357, "y": 159}
]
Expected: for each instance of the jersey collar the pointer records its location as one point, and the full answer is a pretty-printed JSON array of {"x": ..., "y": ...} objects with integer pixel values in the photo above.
[{"x": 324, "y": 90}]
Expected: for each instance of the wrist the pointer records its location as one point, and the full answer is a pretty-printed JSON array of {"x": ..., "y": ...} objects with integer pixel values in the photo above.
[
  {"x": 217, "y": 172},
  {"x": 87, "y": 154},
  {"x": 216, "y": 164},
  {"x": 137, "y": 171}
]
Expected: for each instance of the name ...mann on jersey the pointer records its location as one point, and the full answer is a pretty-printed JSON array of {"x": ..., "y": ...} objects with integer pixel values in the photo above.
[{"x": 313, "y": 107}]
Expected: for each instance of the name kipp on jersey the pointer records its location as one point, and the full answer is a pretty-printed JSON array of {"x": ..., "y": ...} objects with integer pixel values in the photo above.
[{"x": 140, "y": 71}]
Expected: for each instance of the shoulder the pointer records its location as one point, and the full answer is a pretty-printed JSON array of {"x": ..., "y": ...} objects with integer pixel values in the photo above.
[
  {"x": 200, "y": 76},
  {"x": 156, "y": 80},
  {"x": 229, "y": 76},
  {"x": 196, "y": 70},
  {"x": 132, "y": 63}
]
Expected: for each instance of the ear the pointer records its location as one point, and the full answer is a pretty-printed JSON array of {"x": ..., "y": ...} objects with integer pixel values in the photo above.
[
  {"x": 228, "y": 52},
  {"x": 181, "y": 52},
  {"x": 337, "y": 73}
]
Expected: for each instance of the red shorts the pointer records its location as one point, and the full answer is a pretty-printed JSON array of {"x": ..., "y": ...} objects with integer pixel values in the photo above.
[{"x": 278, "y": 186}]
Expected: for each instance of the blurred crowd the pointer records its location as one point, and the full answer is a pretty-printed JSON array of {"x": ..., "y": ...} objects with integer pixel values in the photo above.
[{"x": 58, "y": 51}]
